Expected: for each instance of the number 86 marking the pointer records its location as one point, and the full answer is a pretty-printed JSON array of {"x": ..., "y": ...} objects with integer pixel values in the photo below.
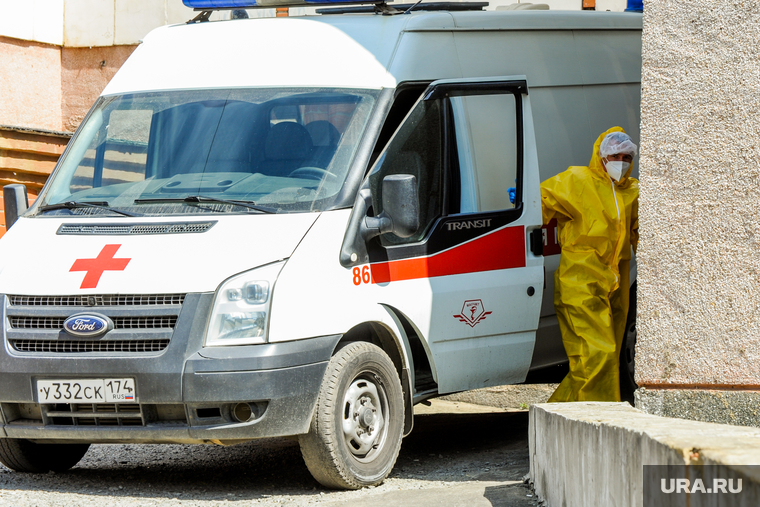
[{"x": 362, "y": 276}]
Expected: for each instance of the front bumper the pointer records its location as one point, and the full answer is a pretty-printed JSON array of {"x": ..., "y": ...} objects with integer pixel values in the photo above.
[{"x": 186, "y": 393}]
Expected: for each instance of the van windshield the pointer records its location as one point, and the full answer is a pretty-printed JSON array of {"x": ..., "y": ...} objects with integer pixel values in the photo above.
[{"x": 211, "y": 151}]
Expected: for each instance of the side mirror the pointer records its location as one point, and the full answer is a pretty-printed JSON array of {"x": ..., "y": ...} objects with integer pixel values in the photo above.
[
  {"x": 16, "y": 202},
  {"x": 401, "y": 214}
]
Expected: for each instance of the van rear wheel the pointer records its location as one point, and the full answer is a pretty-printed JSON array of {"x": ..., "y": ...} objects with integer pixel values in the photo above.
[
  {"x": 355, "y": 433},
  {"x": 25, "y": 456}
]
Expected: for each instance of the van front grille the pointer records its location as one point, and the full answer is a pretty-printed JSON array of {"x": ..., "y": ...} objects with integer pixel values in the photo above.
[
  {"x": 95, "y": 414},
  {"x": 159, "y": 322},
  {"x": 142, "y": 323},
  {"x": 37, "y": 322},
  {"x": 77, "y": 346},
  {"x": 164, "y": 322}
]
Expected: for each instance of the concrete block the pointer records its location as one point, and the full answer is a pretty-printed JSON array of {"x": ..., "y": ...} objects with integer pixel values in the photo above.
[
  {"x": 17, "y": 20},
  {"x": 88, "y": 23},
  {"x": 48, "y": 21},
  {"x": 584, "y": 454},
  {"x": 135, "y": 18},
  {"x": 35, "y": 20},
  {"x": 719, "y": 406}
]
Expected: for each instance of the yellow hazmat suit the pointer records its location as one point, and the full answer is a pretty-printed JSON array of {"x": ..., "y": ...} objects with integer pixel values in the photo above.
[{"x": 597, "y": 220}]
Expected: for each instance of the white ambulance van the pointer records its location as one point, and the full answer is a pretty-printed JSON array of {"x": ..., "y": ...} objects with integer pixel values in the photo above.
[{"x": 302, "y": 227}]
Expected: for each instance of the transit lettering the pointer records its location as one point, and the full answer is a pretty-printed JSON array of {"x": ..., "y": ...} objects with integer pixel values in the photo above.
[{"x": 469, "y": 224}]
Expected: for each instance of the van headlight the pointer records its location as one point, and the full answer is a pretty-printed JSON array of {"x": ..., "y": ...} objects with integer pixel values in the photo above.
[{"x": 241, "y": 308}]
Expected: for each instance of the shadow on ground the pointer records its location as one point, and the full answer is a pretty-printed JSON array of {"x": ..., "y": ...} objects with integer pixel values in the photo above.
[{"x": 442, "y": 447}]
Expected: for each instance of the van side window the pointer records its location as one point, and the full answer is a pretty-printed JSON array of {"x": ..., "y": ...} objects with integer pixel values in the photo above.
[
  {"x": 415, "y": 149},
  {"x": 406, "y": 98},
  {"x": 486, "y": 142}
]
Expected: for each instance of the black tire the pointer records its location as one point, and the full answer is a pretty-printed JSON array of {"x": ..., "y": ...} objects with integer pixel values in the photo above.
[
  {"x": 628, "y": 353},
  {"x": 358, "y": 423},
  {"x": 25, "y": 456}
]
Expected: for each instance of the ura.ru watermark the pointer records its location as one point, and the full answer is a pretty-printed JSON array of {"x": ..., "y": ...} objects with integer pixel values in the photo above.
[
  {"x": 699, "y": 485},
  {"x": 717, "y": 485}
]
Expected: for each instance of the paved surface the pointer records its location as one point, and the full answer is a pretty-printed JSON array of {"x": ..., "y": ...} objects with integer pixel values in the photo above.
[{"x": 458, "y": 455}]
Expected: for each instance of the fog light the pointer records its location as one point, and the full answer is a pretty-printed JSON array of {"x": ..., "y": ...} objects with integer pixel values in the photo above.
[{"x": 242, "y": 412}]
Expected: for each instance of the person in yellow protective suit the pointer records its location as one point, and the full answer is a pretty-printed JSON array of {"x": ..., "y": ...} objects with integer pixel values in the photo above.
[{"x": 596, "y": 208}]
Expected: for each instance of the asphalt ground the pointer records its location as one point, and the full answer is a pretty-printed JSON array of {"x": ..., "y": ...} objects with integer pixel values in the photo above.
[{"x": 459, "y": 454}]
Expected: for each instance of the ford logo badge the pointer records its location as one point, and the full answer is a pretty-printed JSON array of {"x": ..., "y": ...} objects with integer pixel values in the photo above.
[{"x": 87, "y": 325}]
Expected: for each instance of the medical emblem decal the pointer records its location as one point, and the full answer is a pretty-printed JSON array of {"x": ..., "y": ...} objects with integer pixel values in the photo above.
[
  {"x": 94, "y": 268},
  {"x": 473, "y": 312}
]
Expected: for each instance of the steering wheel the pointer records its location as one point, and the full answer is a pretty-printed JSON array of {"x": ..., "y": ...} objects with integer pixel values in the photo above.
[{"x": 313, "y": 173}]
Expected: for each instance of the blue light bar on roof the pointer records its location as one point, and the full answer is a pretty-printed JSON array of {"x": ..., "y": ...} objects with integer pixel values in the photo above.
[{"x": 235, "y": 4}]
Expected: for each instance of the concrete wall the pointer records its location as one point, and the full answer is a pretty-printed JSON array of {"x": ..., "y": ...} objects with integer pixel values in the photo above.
[
  {"x": 34, "y": 20},
  {"x": 84, "y": 74},
  {"x": 27, "y": 70},
  {"x": 52, "y": 88},
  {"x": 699, "y": 250},
  {"x": 87, "y": 23},
  {"x": 113, "y": 22}
]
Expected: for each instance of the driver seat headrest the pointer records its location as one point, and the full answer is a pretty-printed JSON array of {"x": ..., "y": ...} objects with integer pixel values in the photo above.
[{"x": 287, "y": 141}]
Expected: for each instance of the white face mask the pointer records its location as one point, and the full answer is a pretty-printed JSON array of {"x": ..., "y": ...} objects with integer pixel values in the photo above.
[{"x": 616, "y": 168}]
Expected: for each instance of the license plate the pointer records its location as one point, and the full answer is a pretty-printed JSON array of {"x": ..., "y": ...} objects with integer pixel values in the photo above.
[{"x": 108, "y": 390}]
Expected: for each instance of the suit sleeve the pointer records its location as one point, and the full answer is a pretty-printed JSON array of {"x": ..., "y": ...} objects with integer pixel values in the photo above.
[{"x": 554, "y": 199}]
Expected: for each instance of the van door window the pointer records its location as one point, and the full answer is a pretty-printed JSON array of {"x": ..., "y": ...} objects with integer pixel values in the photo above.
[
  {"x": 486, "y": 143},
  {"x": 415, "y": 149},
  {"x": 406, "y": 97}
]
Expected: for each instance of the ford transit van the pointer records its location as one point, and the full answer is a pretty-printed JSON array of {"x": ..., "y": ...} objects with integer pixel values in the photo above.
[{"x": 303, "y": 227}]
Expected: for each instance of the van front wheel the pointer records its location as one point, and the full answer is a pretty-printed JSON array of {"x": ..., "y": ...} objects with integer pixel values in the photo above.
[
  {"x": 355, "y": 433},
  {"x": 25, "y": 456}
]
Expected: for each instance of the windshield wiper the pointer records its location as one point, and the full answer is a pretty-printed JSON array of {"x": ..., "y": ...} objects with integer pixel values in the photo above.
[
  {"x": 199, "y": 199},
  {"x": 81, "y": 204}
]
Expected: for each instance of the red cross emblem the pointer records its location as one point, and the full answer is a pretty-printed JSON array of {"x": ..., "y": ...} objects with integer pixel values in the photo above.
[{"x": 95, "y": 267}]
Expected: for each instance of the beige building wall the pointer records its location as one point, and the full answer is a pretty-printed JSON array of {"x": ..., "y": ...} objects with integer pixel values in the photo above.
[
  {"x": 698, "y": 352},
  {"x": 87, "y": 23},
  {"x": 85, "y": 72},
  {"x": 27, "y": 98},
  {"x": 56, "y": 56},
  {"x": 51, "y": 87}
]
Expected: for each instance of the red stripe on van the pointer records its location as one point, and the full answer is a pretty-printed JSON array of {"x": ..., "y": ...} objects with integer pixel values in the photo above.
[{"x": 502, "y": 249}]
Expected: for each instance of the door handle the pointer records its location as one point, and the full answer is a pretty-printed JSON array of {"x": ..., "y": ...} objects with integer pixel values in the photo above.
[{"x": 536, "y": 241}]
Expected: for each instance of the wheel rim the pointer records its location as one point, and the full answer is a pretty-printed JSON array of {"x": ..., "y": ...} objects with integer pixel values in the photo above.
[{"x": 365, "y": 417}]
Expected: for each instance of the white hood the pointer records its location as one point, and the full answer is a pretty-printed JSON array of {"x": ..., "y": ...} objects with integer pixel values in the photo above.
[{"x": 35, "y": 260}]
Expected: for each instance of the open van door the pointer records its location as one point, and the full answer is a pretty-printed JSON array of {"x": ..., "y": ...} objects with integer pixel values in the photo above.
[{"x": 465, "y": 277}]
